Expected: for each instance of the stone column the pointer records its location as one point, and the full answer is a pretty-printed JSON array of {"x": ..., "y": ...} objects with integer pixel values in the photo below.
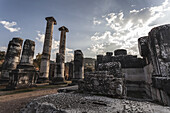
[
  {"x": 98, "y": 61},
  {"x": 60, "y": 58},
  {"x": 78, "y": 66},
  {"x": 24, "y": 75},
  {"x": 59, "y": 69},
  {"x": 45, "y": 60},
  {"x": 62, "y": 48},
  {"x": 12, "y": 57},
  {"x": 28, "y": 53},
  {"x": 71, "y": 70}
]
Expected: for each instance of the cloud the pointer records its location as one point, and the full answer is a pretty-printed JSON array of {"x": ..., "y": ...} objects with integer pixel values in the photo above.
[
  {"x": 125, "y": 29},
  {"x": 55, "y": 47},
  {"x": 10, "y": 26},
  {"x": 3, "y": 48},
  {"x": 96, "y": 22},
  {"x": 40, "y": 37}
]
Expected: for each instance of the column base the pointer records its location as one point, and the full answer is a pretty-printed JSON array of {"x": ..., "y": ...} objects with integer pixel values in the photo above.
[
  {"x": 58, "y": 80},
  {"x": 42, "y": 80}
]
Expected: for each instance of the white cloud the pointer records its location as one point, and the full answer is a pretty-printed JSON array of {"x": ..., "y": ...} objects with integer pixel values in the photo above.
[
  {"x": 126, "y": 29},
  {"x": 10, "y": 26},
  {"x": 40, "y": 37},
  {"x": 3, "y": 48},
  {"x": 96, "y": 22}
]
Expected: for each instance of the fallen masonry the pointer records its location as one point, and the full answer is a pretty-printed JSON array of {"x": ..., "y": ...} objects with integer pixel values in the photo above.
[{"x": 81, "y": 103}]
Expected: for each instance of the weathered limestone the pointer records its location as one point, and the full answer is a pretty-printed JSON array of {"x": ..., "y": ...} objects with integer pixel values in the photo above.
[
  {"x": 132, "y": 67},
  {"x": 27, "y": 53},
  {"x": 25, "y": 75},
  {"x": 108, "y": 81},
  {"x": 62, "y": 48},
  {"x": 60, "y": 58},
  {"x": 52, "y": 70},
  {"x": 59, "y": 69},
  {"x": 12, "y": 57},
  {"x": 45, "y": 60},
  {"x": 155, "y": 48},
  {"x": 78, "y": 66}
]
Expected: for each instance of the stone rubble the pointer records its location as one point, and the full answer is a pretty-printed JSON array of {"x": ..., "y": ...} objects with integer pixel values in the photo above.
[
  {"x": 80, "y": 103},
  {"x": 107, "y": 81}
]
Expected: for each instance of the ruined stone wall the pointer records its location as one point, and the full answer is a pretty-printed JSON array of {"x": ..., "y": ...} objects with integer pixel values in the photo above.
[{"x": 109, "y": 81}]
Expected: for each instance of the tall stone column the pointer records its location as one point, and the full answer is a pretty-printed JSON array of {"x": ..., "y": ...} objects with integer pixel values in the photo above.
[
  {"x": 78, "y": 66},
  {"x": 12, "y": 57},
  {"x": 60, "y": 58},
  {"x": 62, "y": 48},
  {"x": 45, "y": 60}
]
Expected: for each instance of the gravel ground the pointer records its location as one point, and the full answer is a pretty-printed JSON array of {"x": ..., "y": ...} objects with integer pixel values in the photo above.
[
  {"x": 14, "y": 102},
  {"x": 81, "y": 103}
]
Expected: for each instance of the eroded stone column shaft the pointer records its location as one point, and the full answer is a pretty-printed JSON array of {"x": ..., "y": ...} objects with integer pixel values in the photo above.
[
  {"x": 12, "y": 57},
  {"x": 45, "y": 60},
  {"x": 60, "y": 57},
  {"x": 62, "y": 48},
  {"x": 78, "y": 65},
  {"x": 28, "y": 53}
]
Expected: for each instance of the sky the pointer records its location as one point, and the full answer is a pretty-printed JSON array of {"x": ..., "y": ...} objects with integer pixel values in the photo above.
[{"x": 95, "y": 26}]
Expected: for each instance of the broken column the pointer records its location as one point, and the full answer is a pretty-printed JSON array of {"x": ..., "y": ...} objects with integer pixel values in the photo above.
[
  {"x": 60, "y": 58},
  {"x": 155, "y": 48},
  {"x": 25, "y": 75},
  {"x": 45, "y": 60},
  {"x": 159, "y": 45},
  {"x": 78, "y": 66},
  {"x": 99, "y": 61},
  {"x": 12, "y": 57},
  {"x": 71, "y": 70}
]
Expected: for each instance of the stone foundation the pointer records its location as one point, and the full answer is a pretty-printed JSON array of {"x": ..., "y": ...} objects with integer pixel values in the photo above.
[
  {"x": 101, "y": 83},
  {"x": 109, "y": 82},
  {"x": 22, "y": 78}
]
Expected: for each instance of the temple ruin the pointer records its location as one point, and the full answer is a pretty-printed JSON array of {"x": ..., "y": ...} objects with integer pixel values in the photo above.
[{"x": 115, "y": 74}]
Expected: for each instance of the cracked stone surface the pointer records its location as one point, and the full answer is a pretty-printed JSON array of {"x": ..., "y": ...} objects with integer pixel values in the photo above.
[{"x": 81, "y": 103}]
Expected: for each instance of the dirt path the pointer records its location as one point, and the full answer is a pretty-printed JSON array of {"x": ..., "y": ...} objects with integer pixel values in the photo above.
[{"x": 14, "y": 102}]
